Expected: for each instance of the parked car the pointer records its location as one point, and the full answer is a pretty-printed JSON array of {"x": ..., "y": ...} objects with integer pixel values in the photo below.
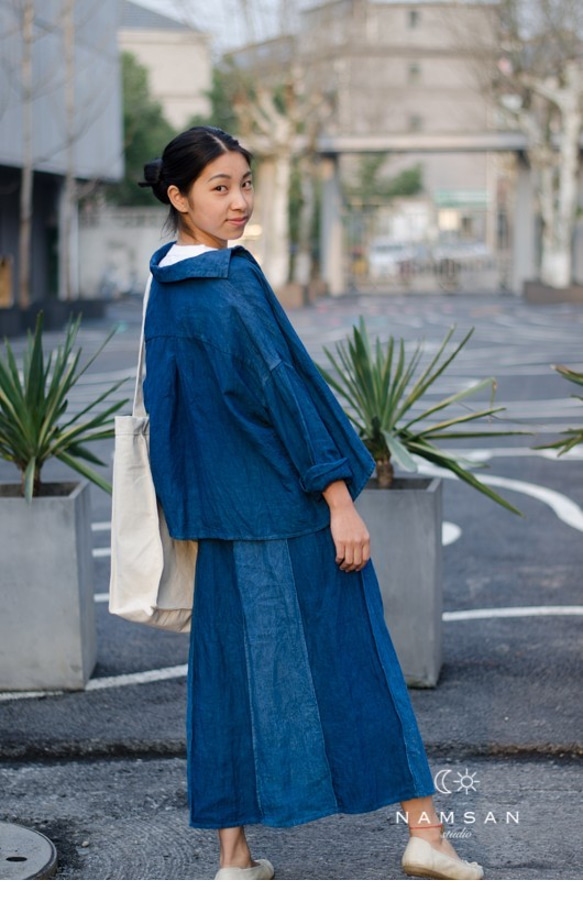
[{"x": 385, "y": 258}]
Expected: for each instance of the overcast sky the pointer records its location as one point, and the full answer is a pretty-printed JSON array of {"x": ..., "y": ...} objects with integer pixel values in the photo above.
[
  {"x": 226, "y": 19},
  {"x": 237, "y": 22}
]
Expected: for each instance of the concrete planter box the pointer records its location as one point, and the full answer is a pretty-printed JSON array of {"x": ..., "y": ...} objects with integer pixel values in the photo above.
[
  {"x": 47, "y": 637},
  {"x": 405, "y": 525}
]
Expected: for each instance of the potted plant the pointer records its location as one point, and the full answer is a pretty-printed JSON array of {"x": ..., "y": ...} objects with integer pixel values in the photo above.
[
  {"x": 47, "y": 640},
  {"x": 381, "y": 390}
]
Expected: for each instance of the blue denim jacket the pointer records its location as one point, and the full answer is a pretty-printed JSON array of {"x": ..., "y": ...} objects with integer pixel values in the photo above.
[{"x": 244, "y": 432}]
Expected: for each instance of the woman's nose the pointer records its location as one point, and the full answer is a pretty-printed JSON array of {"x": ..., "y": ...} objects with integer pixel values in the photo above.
[{"x": 239, "y": 201}]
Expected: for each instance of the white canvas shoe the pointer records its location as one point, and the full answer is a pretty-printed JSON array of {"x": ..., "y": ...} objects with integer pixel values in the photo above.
[
  {"x": 420, "y": 859},
  {"x": 263, "y": 870}
]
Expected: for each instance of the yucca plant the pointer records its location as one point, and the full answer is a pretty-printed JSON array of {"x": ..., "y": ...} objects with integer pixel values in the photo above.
[
  {"x": 380, "y": 386},
  {"x": 34, "y": 425},
  {"x": 573, "y": 437}
]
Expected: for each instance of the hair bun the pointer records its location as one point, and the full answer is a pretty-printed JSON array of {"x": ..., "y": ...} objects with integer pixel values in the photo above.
[
  {"x": 153, "y": 179},
  {"x": 152, "y": 174}
]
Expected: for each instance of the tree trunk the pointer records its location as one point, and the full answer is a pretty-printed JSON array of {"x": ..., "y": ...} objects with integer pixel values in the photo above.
[
  {"x": 69, "y": 189},
  {"x": 559, "y": 224},
  {"x": 559, "y": 172},
  {"x": 302, "y": 272},
  {"x": 384, "y": 473},
  {"x": 26, "y": 185},
  {"x": 277, "y": 241}
]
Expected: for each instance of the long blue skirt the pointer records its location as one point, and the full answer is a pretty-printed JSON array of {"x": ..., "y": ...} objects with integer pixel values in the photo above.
[{"x": 297, "y": 707}]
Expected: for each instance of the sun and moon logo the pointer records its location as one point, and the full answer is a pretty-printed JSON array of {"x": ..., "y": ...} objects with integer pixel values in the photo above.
[{"x": 466, "y": 781}]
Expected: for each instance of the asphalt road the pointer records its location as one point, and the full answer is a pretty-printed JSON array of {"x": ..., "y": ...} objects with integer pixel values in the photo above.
[{"x": 508, "y": 706}]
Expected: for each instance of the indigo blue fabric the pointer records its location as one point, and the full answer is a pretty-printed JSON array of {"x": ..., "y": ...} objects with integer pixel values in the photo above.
[
  {"x": 244, "y": 432},
  {"x": 297, "y": 706}
]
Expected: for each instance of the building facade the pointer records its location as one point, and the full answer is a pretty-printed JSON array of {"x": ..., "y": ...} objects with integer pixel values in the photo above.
[
  {"x": 177, "y": 57},
  {"x": 397, "y": 74}
]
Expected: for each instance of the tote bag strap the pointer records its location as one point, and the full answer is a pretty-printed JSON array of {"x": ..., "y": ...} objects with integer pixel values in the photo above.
[{"x": 139, "y": 410}]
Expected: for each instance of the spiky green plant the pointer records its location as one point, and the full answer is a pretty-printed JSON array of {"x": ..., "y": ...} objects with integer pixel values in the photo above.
[
  {"x": 573, "y": 437},
  {"x": 34, "y": 425},
  {"x": 380, "y": 387}
]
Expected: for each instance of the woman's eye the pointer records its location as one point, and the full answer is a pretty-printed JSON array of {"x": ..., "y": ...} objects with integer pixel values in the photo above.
[
  {"x": 248, "y": 184},
  {"x": 221, "y": 188}
]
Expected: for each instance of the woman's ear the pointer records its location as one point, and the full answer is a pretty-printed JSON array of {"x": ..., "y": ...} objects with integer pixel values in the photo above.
[{"x": 177, "y": 199}]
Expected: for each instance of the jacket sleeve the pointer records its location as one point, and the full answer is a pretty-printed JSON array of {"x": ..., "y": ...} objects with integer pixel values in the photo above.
[{"x": 301, "y": 430}]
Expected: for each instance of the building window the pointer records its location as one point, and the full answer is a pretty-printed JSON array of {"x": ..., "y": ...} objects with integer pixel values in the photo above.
[
  {"x": 414, "y": 74},
  {"x": 413, "y": 17},
  {"x": 415, "y": 123}
]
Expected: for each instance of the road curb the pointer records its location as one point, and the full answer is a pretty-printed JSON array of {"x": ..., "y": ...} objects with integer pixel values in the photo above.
[{"x": 86, "y": 751}]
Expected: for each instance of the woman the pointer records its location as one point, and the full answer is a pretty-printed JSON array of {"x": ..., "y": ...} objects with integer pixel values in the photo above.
[{"x": 297, "y": 708}]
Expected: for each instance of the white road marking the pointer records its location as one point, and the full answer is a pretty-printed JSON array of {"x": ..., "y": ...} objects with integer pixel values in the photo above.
[
  {"x": 551, "y": 409},
  {"x": 450, "y": 533},
  {"x": 110, "y": 377},
  {"x": 124, "y": 679},
  {"x": 180, "y": 670},
  {"x": 566, "y": 510},
  {"x": 484, "y": 454},
  {"x": 133, "y": 679},
  {"x": 103, "y": 526},
  {"x": 102, "y": 552},
  {"x": 494, "y": 613}
]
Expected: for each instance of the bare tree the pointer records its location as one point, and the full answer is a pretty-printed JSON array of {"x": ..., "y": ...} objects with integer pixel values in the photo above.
[
  {"x": 529, "y": 63},
  {"x": 26, "y": 186},
  {"x": 69, "y": 188},
  {"x": 273, "y": 129},
  {"x": 540, "y": 89},
  {"x": 24, "y": 32},
  {"x": 276, "y": 116},
  {"x": 527, "y": 58},
  {"x": 281, "y": 124},
  {"x": 32, "y": 80},
  {"x": 238, "y": 22}
]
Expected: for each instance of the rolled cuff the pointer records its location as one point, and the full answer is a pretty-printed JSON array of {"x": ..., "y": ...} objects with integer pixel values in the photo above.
[{"x": 318, "y": 477}]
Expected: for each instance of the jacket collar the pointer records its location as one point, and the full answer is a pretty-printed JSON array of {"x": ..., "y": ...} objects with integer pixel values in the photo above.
[{"x": 214, "y": 265}]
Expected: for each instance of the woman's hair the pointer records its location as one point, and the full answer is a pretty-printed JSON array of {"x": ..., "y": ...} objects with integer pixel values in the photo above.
[{"x": 184, "y": 159}]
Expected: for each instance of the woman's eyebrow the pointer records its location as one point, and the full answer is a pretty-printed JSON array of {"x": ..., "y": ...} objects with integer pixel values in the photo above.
[{"x": 224, "y": 175}]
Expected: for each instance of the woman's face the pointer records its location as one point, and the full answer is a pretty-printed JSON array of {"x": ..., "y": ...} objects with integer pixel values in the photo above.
[{"x": 218, "y": 204}]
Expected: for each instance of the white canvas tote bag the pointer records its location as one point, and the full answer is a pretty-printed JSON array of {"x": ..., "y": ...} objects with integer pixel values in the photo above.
[{"x": 152, "y": 575}]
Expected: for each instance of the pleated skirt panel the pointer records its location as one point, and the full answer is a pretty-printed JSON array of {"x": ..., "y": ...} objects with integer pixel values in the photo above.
[{"x": 297, "y": 707}]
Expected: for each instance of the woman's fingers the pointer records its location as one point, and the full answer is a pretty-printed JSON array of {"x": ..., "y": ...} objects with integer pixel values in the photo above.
[
  {"x": 353, "y": 555},
  {"x": 366, "y": 552},
  {"x": 362, "y": 557}
]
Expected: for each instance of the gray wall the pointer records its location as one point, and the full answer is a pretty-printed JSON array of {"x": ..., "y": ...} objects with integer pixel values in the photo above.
[
  {"x": 98, "y": 119},
  {"x": 97, "y": 134}
]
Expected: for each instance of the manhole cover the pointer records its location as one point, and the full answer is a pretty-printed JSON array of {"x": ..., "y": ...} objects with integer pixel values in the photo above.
[{"x": 25, "y": 854}]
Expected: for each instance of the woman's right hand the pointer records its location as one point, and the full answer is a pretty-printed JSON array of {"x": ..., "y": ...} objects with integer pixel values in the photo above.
[{"x": 349, "y": 532}]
